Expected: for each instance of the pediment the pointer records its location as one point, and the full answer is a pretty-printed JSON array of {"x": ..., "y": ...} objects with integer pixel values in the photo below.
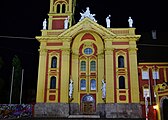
[{"x": 87, "y": 25}]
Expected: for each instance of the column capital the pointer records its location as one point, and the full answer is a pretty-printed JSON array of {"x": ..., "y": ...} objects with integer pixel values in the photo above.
[
  {"x": 65, "y": 51},
  {"x": 133, "y": 50},
  {"x": 42, "y": 51},
  {"x": 109, "y": 51}
]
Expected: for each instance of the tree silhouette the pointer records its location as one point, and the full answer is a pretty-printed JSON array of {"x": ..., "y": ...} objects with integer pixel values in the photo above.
[
  {"x": 16, "y": 63},
  {"x": 2, "y": 83}
]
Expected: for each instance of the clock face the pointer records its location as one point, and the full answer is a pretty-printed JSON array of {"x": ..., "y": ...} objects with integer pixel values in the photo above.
[{"x": 145, "y": 75}]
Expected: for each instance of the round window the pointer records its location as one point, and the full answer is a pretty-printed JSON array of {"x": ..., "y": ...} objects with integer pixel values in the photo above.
[{"x": 88, "y": 51}]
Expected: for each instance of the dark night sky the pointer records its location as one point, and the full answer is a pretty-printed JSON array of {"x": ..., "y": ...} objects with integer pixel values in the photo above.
[{"x": 21, "y": 18}]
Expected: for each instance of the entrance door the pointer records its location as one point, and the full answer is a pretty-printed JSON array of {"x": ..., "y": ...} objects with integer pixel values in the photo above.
[
  {"x": 88, "y": 108},
  {"x": 88, "y": 104}
]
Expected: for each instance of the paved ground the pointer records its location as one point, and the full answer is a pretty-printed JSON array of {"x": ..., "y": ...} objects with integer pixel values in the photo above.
[{"x": 84, "y": 118}]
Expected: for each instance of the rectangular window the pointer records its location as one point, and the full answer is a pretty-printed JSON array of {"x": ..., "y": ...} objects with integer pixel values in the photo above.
[
  {"x": 155, "y": 74},
  {"x": 146, "y": 92},
  {"x": 145, "y": 75}
]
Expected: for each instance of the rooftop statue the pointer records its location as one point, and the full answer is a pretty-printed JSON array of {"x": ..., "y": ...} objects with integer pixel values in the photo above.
[
  {"x": 108, "y": 21},
  {"x": 130, "y": 21},
  {"x": 44, "y": 24},
  {"x": 66, "y": 23},
  {"x": 87, "y": 14}
]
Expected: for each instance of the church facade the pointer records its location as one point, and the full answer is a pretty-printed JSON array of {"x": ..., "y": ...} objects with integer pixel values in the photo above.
[{"x": 87, "y": 68}]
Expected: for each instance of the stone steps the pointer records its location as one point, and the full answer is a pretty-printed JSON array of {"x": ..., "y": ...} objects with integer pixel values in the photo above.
[{"x": 84, "y": 116}]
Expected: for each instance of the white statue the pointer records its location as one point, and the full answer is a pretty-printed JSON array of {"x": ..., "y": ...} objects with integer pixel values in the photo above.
[
  {"x": 44, "y": 24},
  {"x": 130, "y": 21},
  {"x": 70, "y": 88},
  {"x": 108, "y": 21},
  {"x": 146, "y": 105},
  {"x": 66, "y": 23},
  {"x": 87, "y": 14},
  {"x": 103, "y": 89}
]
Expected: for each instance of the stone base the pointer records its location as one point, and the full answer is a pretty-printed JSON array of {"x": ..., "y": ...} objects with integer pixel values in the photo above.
[
  {"x": 100, "y": 110},
  {"x": 119, "y": 110},
  {"x": 51, "y": 110},
  {"x": 74, "y": 109},
  {"x": 108, "y": 110},
  {"x": 84, "y": 116}
]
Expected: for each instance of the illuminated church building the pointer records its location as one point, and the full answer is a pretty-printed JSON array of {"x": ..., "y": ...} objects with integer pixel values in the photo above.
[{"x": 86, "y": 68}]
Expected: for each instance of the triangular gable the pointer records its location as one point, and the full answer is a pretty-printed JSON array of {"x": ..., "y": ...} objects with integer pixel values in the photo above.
[{"x": 89, "y": 25}]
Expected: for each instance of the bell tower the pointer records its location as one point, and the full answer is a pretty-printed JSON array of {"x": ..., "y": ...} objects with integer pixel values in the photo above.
[{"x": 59, "y": 11}]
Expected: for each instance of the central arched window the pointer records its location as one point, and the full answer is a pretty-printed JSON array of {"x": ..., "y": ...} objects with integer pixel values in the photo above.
[
  {"x": 83, "y": 65},
  {"x": 93, "y": 84},
  {"x": 83, "y": 84},
  {"x": 121, "y": 82},
  {"x": 92, "y": 66},
  {"x": 88, "y": 51},
  {"x": 53, "y": 82},
  {"x": 54, "y": 62}
]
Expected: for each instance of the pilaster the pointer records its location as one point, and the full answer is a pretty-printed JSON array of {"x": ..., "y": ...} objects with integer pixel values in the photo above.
[
  {"x": 65, "y": 69},
  {"x": 100, "y": 76},
  {"x": 41, "y": 73},
  {"x": 109, "y": 74},
  {"x": 134, "y": 74},
  {"x": 74, "y": 74}
]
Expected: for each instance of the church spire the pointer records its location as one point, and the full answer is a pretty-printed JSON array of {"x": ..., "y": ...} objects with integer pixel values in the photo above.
[{"x": 60, "y": 10}]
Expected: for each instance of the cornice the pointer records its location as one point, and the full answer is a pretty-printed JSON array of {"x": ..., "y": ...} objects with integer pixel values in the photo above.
[
  {"x": 153, "y": 63},
  {"x": 48, "y": 38},
  {"x": 130, "y": 37}
]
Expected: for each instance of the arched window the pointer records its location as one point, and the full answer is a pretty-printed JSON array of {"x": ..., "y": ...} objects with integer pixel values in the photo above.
[
  {"x": 53, "y": 82},
  {"x": 83, "y": 84},
  {"x": 88, "y": 98},
  {"x": 83, "y": 66},
  {"x": 93, "y": 84},
  {"x": 54, "y": 62},
  {"x": 121, "y": 82},
  {"x": 120, "y": 62},
  {"x": 92, "y": 66},
  {"x": 165, "y": 110},
  {"x": 63, "y": 8},
  {"x": 58, "y": 8}
]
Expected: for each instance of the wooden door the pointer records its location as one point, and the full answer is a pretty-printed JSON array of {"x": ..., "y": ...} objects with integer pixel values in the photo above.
[{"x": 88, "y": 107}]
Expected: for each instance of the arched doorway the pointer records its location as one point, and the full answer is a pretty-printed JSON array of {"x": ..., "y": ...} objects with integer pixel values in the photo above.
[
  {"x": 165, "y": 109},
  {"x": 88, "y": 104}
]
